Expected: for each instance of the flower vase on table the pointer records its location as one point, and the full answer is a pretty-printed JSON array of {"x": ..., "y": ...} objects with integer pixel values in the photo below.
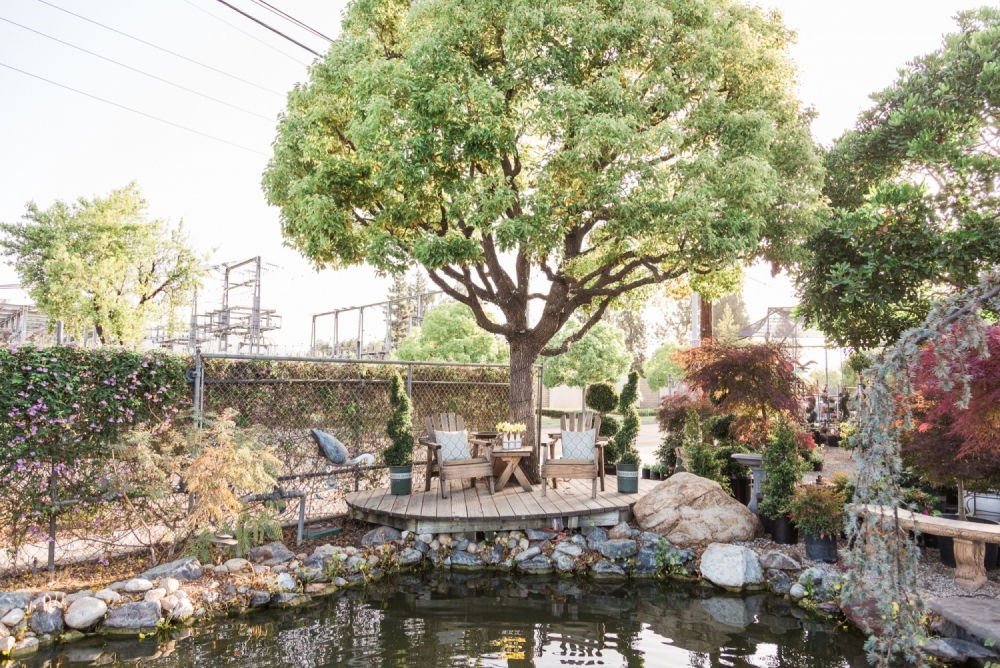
[{"x": 510, "y": 435}]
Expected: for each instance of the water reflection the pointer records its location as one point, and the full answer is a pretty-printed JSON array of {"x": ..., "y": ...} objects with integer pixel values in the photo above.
[{"x": 466, "y": 620}]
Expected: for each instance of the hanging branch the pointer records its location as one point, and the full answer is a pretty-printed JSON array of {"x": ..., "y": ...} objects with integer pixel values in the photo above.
[{"x": 883, "y": 559}]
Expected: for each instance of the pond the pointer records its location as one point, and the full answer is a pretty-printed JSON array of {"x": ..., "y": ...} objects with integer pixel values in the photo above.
[{"x": 478, "y": 620}]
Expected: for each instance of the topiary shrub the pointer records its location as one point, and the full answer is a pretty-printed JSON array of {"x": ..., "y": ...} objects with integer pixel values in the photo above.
[
  {"x": 624, "y": 440},
  {"x": 782, "y": 466},
  {"x": 699, "y": 456},
  {"x": 399, "y": 427},
  {"x": 609, "y": 426},
  {"x": 601, "y": 397}
]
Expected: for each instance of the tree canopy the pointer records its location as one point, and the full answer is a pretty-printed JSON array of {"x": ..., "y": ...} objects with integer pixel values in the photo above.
[
  {"x": 662, "y": 367},
  {"x": 102, "y": 263},
  {"x": 600, "y": 356},
  {"x": 607, "y": 146},
  {"x": 450, "y": 334},
  {"x": 914, "y": 189}
]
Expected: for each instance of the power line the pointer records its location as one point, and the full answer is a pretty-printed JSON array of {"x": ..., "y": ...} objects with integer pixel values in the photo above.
[
  {"x": 160, "y": 48},
  {"x": 134, "y": 111},
  {"x": 253, "y": 37},
  {"x": 129, "y": 67},
  {"x": 258, "y": 21},
  {"x": 289, "y": 17}
]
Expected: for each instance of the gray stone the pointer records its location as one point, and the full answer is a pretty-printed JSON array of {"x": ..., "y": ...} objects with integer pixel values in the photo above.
[
  {"x": 155, "y": 594},
  {"x": 579, "y": 539},
  {"x": 969, "y": 618},
  {"x": 953, "y": 649},
  {"x": 779, "y": 561},
  {"x": 85, "y": 612},
  {"x": 6, "y": 643},
  {"x": 138, "y": 585},
  {"x": 650, "y": 537},
  {"x": 183, "y": 610},
  {"x": 70, "y": 598},
  {"x": 595, "y": 537},
  {"x": 563, "y": 561},
  {"x": 647, "y": 560},
  {"x": 15, "y": 599},
  {"x": 380, "y": 536},
  {"x": 620, "y": 530},
  {"x": 3, "y": 631},
  {"x": 731, "y": 566},
  {"x": 318, "y": 561},
  {"x": 462, "y": 545},
  {"x": 47, "y": 618},
  {"x": 425, "y": 538},
  {"x": 571, "y": 549},
  {"x": 340, "y": 582},
  {"x": 116, "y": 586},
  {"x": 537, "y": 564},
  {"x": 538, "y": 534},
  {"x": 271, "y": 554},
  {"x": 422, "y": 547},
  {"x": 289, "y": 599},
  {"x": 13, "y": 618},
  {"x": 285, "y": 582},
  {"x": 259, "y": 598},
  {"x": 354, "y": 564},
  {"x": 778, "y": 581},
  {"x": 133, "y": 616},
  {"x": 797, "y": 591},
  {"x": 236, "y": 565},
  {"x": 617, "y": 548},
  {"x": 169, "y": 602},
  {"x": 814, "y": 575},
  {"x": 188, "y": 568},
  {"x": 463, "y": 559},
  {"x": 607, "y": 569},
  {"x": 408, "y": 557},
  {"x": 527, "y": 554},
  {"x": 24, "y": 647}
]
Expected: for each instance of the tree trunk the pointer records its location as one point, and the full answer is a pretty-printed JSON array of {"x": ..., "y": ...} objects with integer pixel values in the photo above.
[
  {"x": 705, "y": 317},
  {"x": 522, "y": 397}
]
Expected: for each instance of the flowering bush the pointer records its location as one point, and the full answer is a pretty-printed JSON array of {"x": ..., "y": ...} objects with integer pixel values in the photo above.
[{"x": 60, "y": 410}]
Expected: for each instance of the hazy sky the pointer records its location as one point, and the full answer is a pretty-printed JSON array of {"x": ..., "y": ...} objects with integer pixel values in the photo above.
[{"x": 58, "y": 144}]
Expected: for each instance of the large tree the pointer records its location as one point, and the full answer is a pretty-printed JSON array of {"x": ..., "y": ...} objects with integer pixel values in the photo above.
[
  {"x": 450, "y": 334},
  {"x": 914, "y": 186},
  {"x": 102, "y": 264},
  {"x": 564, "y": 152}
]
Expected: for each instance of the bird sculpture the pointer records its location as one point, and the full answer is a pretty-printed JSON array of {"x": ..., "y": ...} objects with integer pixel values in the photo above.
[{"x": 334, "y": 450}]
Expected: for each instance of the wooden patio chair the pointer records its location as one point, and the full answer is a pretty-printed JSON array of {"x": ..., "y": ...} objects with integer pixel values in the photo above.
[
  {"x": 475, "y": 465},
  {"x": 581, "y": 465}
]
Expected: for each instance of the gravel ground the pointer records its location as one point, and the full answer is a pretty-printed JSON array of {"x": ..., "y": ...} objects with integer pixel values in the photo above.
[{"x": 834, "y": 460}]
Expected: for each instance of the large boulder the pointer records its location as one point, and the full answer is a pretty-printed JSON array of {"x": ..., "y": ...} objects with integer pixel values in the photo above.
[
  {"x": 133, "y": 617},
  {"x": 692, "y": 512},
  {"x": 731, "y": 566},
  {"x": 85, "y": 612},
  {"x": 187, "y": 568}
]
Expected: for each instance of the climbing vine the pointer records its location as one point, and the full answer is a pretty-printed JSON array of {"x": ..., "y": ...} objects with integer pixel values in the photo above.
[{"x": 882, "y": 556}]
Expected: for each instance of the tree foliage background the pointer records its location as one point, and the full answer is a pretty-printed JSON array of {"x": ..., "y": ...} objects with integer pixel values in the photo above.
[
  {"x": 101, "y": 263},
  {"x": 450, "y": 334},
  {"x": 600, "y": 356},
  {"x": 914, "y": 186}
]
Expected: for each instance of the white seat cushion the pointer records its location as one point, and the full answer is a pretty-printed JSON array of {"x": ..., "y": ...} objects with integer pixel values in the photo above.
[
  {"x": 454, "y": 444},
  {"x": 578, "y": 444}
]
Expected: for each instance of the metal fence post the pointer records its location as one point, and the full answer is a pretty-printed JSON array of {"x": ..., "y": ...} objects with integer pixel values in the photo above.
[
  {"x": 52, "y": 519},
  {"x": 409, "y": 380},
  {"x": 538, "y": 406}
]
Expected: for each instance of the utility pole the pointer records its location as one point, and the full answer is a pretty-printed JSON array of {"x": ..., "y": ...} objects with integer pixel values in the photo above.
[{"x": 705, "y": 311}]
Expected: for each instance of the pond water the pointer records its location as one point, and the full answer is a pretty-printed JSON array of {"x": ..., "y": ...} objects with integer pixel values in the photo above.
[{"x": 458, "y": 620}]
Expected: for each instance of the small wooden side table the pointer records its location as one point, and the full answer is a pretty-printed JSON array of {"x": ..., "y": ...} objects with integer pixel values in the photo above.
[{"x": 514, "y": 460}]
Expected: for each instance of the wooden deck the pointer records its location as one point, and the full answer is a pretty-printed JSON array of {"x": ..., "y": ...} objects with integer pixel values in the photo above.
[{"x": 513, "y": 508}]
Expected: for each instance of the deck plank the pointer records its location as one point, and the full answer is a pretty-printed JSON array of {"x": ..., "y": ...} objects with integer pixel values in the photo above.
[{"x": 458, "y": 506}]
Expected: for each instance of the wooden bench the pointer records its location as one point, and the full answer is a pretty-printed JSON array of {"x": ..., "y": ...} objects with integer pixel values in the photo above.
[{"x": 970, "y": 541}]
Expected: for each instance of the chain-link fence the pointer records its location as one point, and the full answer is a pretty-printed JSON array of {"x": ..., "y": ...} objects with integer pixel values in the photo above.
[{"x": 286, "y": 397}]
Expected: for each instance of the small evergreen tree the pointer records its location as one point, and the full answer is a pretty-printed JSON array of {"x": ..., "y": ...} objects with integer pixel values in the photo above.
[
  {"x": 782, "y": 468},
  {"x": 699, "y": 456},
  {"x": 624, "y": 440},
  {"x": 400, "y": 425},
  {"x": 603, "y": 398}
]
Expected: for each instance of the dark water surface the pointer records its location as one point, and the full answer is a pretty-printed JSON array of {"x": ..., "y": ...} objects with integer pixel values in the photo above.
[{"x": 476, "y": 620}]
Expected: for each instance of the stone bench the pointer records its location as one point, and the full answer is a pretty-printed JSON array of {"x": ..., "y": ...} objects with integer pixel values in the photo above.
[{"x": 970, "y": 541}]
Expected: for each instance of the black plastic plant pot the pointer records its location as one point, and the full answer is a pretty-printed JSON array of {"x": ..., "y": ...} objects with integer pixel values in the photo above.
[
  {"x": 947, "y": 545},
  {"x": 646, "y": 473},
  {"x": 817, "y": 466},
  {"x": 742, "y": 489},
  {"x": 821, "y": 549},
  {"x": 401, "y": 480},
  {"x": 628, "y": 478},
  {"x": 609, "y": 469},
  {"x": 784, "y": 532}
]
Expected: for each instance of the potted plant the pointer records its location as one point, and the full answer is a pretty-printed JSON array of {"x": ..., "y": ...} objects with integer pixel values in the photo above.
[
  {"x": 647, "y": 473},
  {"x": 399, "y": 456},
  {"x": 782, "y": 468},
  {"x": 816, "y": 459},
  {"x": 624, "y": 441},
  {"x": 658, "y": 472},
  {"x": 628, "y": 472},
  {"x": 818, "y": 511},
  {"x": 511, "y": 435}
]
